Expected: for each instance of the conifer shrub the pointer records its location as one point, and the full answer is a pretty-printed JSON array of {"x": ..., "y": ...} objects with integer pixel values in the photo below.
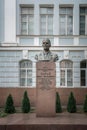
[
  {"x": 58, "y": 103},
  {"x": 9, "y": 106},
  {"x": 25, "y": 103},
  {"x": 71, "y": 106},
  {"x": 85, "y": 104}
]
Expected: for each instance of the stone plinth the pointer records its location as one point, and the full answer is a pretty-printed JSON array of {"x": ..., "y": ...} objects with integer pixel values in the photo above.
[{"x": 45, "y": 89}]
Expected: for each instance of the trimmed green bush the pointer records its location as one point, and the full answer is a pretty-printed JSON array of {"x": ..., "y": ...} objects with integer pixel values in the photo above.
[
  {"x": 71, "y": 106},
  {"x": 85, "y": 104},
  {"x": 9, "y": 106},
  {"x": 25, "y": 103},
  {"x": 58, "y": 103}
]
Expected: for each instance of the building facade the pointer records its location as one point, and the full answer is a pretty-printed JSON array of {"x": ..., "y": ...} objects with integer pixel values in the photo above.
[{"x": 23, "y": 26}]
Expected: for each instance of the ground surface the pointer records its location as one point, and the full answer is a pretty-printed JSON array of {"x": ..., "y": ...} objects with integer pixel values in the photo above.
[{"x": 30, "y": 118}]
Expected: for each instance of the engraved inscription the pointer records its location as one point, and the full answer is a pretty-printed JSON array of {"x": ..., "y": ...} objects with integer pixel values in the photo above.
[
  {"x": 45, "y": 83},
  {"x": 45, "y": 73},
  {"x": 45, "y": 76}
]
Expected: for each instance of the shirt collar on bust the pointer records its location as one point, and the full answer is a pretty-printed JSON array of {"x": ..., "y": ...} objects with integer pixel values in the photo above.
[{"x": 45, "y": 53}]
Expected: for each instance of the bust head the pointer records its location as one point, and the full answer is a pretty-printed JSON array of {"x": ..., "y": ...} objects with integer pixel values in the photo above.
[{"x": 46, "y": 44}]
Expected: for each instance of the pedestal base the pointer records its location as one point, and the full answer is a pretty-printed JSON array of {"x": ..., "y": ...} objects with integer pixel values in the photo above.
[{"x": 45, "y": 89}]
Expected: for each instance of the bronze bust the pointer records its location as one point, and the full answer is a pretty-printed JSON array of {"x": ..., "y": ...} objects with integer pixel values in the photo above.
[{"x": 46, "y": 54}]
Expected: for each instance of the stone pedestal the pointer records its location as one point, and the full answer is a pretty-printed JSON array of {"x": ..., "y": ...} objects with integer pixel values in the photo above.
[{"x": 45, "y": 89}]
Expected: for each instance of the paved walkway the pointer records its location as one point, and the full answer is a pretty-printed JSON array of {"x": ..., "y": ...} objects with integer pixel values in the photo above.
[{"x": 30, "y": 118}]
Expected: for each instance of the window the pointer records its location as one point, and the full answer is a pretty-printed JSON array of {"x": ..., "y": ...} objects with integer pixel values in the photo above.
[
  {"x": 83, "y": 20},
  {"x": 66, "y": 73},
  {"x": 46, "y": 21},
  {"x": 27, "y": 21},
  {"x": 66, "y": 21},
  {"x": 25, "y": 73},
  {"x": 83, "y": 72}
]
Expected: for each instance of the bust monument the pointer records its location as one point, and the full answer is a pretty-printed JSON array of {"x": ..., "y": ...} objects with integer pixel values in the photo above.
[
  {"x": 46, "y": 81},
  {"x": 46, "y": 54}
]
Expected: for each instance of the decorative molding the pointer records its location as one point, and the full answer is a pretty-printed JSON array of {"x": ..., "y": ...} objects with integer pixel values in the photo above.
[
  {"x": 25, "y": 54},
  {"x": 66, "y": 54}
]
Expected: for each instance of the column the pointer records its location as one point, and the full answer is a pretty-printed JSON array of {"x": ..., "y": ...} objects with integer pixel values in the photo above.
[
  {"x": 10, "y": 21},
  {"x": 76, "y": 19},
  {"x": 56, "y": 19},
  {"x": 36, "y": 19}
]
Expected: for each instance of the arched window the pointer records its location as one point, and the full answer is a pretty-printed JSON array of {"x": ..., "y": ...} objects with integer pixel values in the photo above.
[
  {"x": 26, "y": 73},
  {"x": 83, "y": 72},
  {"x": 66, "y": 73}
]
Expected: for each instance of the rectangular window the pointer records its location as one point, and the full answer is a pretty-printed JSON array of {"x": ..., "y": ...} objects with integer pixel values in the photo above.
[
  {"x": 69, "y": 77},
  {"x": 46, "y": 21},
  {"x": 83, "y": 20},
  {"x": 62, "y": 78},
  {"x": 26, "y": 73},
  {"x": 27, "y": 21},
  {"x": 83, "y": 78},
  {"x": 66, "y": 20}
]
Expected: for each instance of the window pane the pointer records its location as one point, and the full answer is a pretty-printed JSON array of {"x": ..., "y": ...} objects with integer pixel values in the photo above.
[
  {"x": 24, "y": 26},
  {"x": 69, "y": 78},
  {"x": 43, "y": 24},
  {"x": 26, "y": 64},
  {"x": 62, "y": 82},
  {"x": 83, "y": 78},
  {"x": 43, "y": 10},
  {"x": 82, "y": 10},
  {"x": 86, "y": 10},
  {"x": 23, "y": 73},
  {"x": 66, "y": 21},
  {"x": 31, "y": 11},
  {"x": 66, "y": 64},
  {"x": 22, "y": 82},
  {"x": 27, "y": 15},
  {"x": 69, "y": 11},
  {"x": 29, "y": 82},
  {"x": 23, "y": 18},
  {"x": 66, "y": 73},
  {"x": 62, "y": 64},
  {"x": 82, "y": 25},
  {"x": 29, "y": 73},
  {"x": 50, "y": 11},
  {"x": 83, "y": 64},
  {"x": 62, "y": 10},
  {"x": 46, "y": 21},
  {"x": 62, "y": 25},
  {"x": 70, "y": 25},
  {"x": 47, "y": 10},
  {"x": 50, "y": 24},
  {"x": 30, "y": 24},
  {"x": 24, "y": 10},
  {"x": 26, "y": 73}
]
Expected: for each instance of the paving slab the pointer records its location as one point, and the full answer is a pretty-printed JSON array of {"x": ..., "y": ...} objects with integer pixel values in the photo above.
[{"x": 62, "y": 121}]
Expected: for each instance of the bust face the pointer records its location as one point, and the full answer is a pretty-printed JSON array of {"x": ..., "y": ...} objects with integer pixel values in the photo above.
[{"x": 46, "y": 44}]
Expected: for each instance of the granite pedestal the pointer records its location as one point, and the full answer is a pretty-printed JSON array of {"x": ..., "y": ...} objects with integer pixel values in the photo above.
[{"x": 45, "y": 89}]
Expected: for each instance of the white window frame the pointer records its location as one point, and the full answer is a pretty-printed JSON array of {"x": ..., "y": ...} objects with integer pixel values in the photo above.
[
  {"x": 27, "y": 21},
  {"x": 29, "y": 77},
  {"x": 85, "y": 21},
  {"x": 66, "y": 78},
  {"x": 46, "y": 15},
  {"x": 66, "y": 22},
  {"x": 85, "y": 75}
]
